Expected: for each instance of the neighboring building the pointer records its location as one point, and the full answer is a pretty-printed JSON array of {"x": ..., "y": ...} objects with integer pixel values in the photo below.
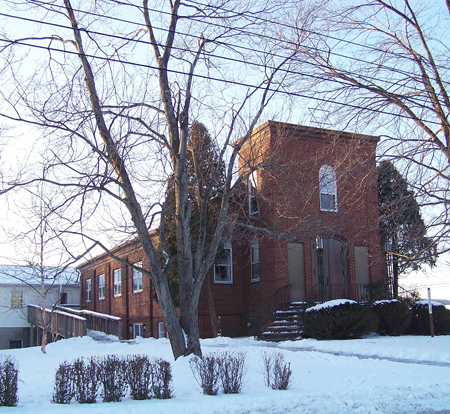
[
  {"x": 317, "y": 199},
  {"x": 21, "y": 286}
]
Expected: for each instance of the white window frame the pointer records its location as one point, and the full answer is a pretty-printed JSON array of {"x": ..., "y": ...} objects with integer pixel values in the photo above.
[
  {"x": 328, "y": 188},
  {"x": 137, "y": 276},
  {"x": 117, "y": 276},
  {"x": 221, "y": 265},
  {"x": 254, "y": 263},
  {"x": 253, "y": 208},
  {"x": 140, "y": 328},
  {"x": 88, "y": 290},
  {"x": 101, "y": 287},
  {"x": 161, "y": 330},
  {"x": 16, "y": 299}
]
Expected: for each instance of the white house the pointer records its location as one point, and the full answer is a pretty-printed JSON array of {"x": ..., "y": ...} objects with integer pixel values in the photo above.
[{"x": 21, "y": 286}]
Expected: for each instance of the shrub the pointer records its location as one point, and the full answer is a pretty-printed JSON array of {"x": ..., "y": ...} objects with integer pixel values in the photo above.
[
  {"x": 277, "y": 373},
  {"x": 348, "y": 320},
  {"x": 378, "y": 290},
  {"x": 111, "y": 371},
  {"x": 162, "y": 380},
  {"x": 9, "y": 376},
  {"x": 63, "y": 388},
  {"x": 394, "y": 317},
  {"x": 420, "y": 323},
  {"x": 232, "y": 368},
  {"x": 85, "y": 380},
  {"x": 139, "y": 376},
  {"x": 206, "y": 373}
]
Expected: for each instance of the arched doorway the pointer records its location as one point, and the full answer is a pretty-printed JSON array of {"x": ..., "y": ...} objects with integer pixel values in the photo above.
[{"x": 330, "y": 268}]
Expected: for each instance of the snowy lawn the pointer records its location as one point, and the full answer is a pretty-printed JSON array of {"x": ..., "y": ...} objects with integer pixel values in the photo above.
[{"x": 373, "y": 375}]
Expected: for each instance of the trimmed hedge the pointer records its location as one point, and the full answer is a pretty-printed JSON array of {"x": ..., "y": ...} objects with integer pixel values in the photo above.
[
  {"x": 420, "y": 323},
  {"x": 394, "y": 317},
  {"x": 344, "y": 321}
]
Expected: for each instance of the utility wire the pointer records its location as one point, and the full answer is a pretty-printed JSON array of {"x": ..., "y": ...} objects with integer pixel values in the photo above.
[
  {"x": 259, "y": 35},
  {"x": 416, "y": 100},
  {"x": 231, "y": 82}
]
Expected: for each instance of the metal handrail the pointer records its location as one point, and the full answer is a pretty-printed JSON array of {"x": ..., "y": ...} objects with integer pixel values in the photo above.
[{"x": 279, "y": 300}]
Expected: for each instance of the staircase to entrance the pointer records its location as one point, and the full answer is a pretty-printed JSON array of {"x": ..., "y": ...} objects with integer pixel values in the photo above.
[{"x": 286, "y": 324}]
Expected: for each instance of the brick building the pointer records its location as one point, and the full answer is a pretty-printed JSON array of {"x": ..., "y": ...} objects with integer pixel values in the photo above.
[{"x": 309, "y": 230}]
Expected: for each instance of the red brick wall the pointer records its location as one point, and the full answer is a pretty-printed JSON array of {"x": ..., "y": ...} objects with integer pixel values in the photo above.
[{"x": 289, "y": 205}]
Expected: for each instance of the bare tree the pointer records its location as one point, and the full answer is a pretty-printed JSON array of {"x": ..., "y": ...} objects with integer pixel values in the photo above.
[
  {"x": 39, "y": 283},
  {"x": 383, "y": 67},
  {"x": 116, "y": 121}
]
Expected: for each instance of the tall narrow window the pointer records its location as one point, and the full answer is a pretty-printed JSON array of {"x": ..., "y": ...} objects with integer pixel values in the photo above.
[
  {"x": 138, "y": 330},
  {"x": 101, "y": 286},
  {"x": 16, "y": 299},
  {"x": 137, "y": 278},
  {"x": 161, "y": 333},
  {"x": 252, "y": 193},
  {"x": 117, "y": 282},
  {"x": 88, "y": 290},
  {"x": 223, "y": 269},
  {"x": 328, "y": 188},
  {"x": 254, "y": 257}
]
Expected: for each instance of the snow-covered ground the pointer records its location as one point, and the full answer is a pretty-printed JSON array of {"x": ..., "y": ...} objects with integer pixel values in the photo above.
[{"x": 373, "y": 375}]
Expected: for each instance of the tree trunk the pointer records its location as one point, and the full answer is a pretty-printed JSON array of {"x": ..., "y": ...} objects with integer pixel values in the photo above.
[{"x": 212, "y": 309}]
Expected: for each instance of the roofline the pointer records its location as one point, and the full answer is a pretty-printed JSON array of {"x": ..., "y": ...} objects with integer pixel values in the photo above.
[
  {"x": 270, "y": 124},
  {"x": 105, "y": 256}
]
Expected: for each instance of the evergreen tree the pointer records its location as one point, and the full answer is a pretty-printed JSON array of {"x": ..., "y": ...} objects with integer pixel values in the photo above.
[
  {"x": 402, "y": 228},
  {"x": 206, "y": 175}
]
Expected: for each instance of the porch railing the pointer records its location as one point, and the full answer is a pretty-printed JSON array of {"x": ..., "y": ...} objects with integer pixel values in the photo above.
[
  {"x": 355, "y": 291},
  {"x": 279, "y": 300},
  {"x": 57, "y": 322},
  {"x": 111, "y": 325}
]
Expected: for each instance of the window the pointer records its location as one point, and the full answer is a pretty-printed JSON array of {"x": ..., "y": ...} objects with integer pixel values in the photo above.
[
  {"x": 88, "y": 290},
  {"x": 101, "y": 287},
  {"x": 254, "y": 258},
  {"x": 137, "y": 278},
  {"x": 117, "y": 282},
  {"x": 15, "y": 343},
  {"x": 63, "y": 299},
  {"x": 161, "y": 333},
  {"x": 138, "y": 330},
  {"x": 328, "y": 188},
  {"x": 16, "y": 299},
  {"x": 252, "y": 193},
  {"x": 223, "y": 269}
]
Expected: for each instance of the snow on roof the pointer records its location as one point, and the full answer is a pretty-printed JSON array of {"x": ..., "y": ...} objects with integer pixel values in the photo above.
[
  {"x": 31, "y": 275},
  {"x": 330, "y": 304}
]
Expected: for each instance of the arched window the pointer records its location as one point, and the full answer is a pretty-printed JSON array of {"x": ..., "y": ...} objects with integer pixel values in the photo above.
[
  {"x": 328, "y": 188},
  {"x": 252, "y": 193}
]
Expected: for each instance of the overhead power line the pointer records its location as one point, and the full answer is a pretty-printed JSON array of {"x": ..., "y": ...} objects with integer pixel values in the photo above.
[
  {"x": 378, "y": 65},
  {"x": 416, "y": 101},
  {"x": 210, "y": 78}
]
